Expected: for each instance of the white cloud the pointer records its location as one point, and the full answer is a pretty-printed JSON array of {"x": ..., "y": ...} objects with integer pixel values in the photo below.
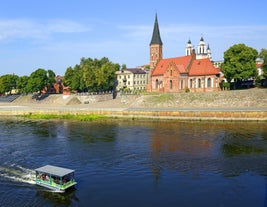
[{"x": 24, "y": 28}]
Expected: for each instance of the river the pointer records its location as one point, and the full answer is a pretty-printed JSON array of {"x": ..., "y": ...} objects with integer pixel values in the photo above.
[{"x": 136, "y": 163}]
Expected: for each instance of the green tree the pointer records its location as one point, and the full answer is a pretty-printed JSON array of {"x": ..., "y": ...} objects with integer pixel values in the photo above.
[
  {"x": 263, "y": 55},
  {"x": 51, "y": 77},
  {"x": 91, "y": 75},
  {"x": 7, "y": 83},
  {"x": 37, "y": 81},
  {"x": 22, "y": 84},
  {"x": 99, "y": 74},
  {"x": 105, "y": 76},
  {"x": 89, "y": 66},
  {"x": 73, "y": 78},
  {"x": 123, "y": 66},
  {"x": 239, "y": 63}
]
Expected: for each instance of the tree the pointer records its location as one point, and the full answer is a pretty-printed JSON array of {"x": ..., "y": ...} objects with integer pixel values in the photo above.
[
  {"x": 37, "y": 81},
  {"x": 22, "y": 84},
  {"x": 73, "y": 78},
  {"x": 239, "y": 63},
  {"x": 7, "y": 83},
  {"x": 105, "y": 76},
  {"x": 51, "y": 79},
  {"x": 91, "y": 75}
]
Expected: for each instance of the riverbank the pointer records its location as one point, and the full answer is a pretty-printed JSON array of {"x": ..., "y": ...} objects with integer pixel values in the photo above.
[{"x": 243, "y": 105}]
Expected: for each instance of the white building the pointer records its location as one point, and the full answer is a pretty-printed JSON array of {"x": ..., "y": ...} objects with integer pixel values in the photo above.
[{"x": 132, "y": 79}]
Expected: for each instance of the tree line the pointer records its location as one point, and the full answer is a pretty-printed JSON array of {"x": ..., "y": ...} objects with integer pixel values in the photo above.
[
  {"x": 99, "y": 74},
  {"x": 89, "y": 75}
]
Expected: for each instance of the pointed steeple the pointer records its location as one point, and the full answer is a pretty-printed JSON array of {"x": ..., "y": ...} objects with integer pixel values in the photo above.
[{"x": 156, "y": 40}]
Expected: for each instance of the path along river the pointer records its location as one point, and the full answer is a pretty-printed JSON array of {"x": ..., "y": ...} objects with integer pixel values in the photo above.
[{"x": 136, "y": 163}]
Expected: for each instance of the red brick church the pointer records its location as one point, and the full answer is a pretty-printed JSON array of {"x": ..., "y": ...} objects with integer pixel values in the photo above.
[{"x": 193, "y": 72}]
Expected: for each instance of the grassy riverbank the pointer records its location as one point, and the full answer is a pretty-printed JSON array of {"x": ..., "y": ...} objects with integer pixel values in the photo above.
[
  {"x": 239, "y": 105},
  {"x": 79, "y": 117}
]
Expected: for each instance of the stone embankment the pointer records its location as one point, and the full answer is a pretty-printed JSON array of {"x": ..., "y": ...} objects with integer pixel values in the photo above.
[{"x": 247, "y": 105}]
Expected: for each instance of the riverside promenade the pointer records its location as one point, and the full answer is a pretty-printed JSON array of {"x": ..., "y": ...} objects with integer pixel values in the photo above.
[{"x": 248, "y": 105}]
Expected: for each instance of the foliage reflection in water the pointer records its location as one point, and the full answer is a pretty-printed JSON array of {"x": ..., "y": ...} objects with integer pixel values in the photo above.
[{"x": 159, "y": 162}]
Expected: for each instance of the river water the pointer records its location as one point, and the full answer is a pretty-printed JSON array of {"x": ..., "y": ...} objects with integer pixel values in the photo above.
[{"x": 136, "y": 163}]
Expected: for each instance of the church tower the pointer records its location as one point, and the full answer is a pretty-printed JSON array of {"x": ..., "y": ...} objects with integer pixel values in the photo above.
[
  {"x": 201, "y": 48},
  {"x": 155, "y": 46},
  {"x": 189, "y": 48}
]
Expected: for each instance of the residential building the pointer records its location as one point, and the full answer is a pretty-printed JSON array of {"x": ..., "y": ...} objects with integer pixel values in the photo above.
[{"x": 132, "y": 79}]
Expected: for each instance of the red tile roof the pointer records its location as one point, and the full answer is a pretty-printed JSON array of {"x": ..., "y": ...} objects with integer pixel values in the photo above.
[
  {"x": 180, "y": 62},
  {"x": 203, "y": 67}
]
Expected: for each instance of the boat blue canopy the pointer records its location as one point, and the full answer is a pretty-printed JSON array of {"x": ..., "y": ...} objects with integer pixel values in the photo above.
[{"x": 54, "y": 170}]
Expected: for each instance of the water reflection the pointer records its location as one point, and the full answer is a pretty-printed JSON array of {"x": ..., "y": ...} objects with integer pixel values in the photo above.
[
  {"x": 93, "y": 132},
  {"x": 191, "y": 147},
  {"x": 59, "y": 199},
  {"x": 152, "y": 160}
]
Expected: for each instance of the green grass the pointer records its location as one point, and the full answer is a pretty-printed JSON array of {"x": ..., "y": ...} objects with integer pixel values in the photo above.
[
  {"x": 79, "y": 117},
  {"x": 163, "y": 97}
]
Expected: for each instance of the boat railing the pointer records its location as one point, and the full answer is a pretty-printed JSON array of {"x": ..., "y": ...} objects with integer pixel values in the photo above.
[{"x": 56, "y": 185}]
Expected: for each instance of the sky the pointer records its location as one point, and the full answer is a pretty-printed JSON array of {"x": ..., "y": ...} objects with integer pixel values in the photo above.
[{"x": 56, "y": 34}]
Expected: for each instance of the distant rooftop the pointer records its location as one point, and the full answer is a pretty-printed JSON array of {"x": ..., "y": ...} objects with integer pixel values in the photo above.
[{"x": 136, "y": 70}]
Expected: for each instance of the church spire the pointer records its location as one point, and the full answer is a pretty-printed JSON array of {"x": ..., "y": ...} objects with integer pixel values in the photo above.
[{"x": 156, "y": 40}]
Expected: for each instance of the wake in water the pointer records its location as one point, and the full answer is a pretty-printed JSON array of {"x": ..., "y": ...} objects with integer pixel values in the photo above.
[{"x": 17, "y": 173}]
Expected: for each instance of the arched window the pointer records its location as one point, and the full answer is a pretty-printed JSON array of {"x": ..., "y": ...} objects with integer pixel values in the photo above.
[
  {"x": 157, "y": 83},
  {"x": 209, "y": 83},
  {"x": 170, "y": 84},
  {"x": 199, "y": 83},
  {"x": 191, "y": 83}
]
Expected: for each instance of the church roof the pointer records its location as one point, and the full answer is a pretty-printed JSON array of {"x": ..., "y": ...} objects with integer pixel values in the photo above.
[
  {"x": 156, "y": 35},
  {"x": 180, "y": 62},
  {"x": 197, "y": 68},
  {"x": 203, "y": 67}
]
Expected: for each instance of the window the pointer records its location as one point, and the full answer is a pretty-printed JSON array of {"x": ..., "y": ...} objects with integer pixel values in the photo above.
[
  {"x": 170, "y": 84},
  {"x": 157, "y": 83},
  {"x": 199, "y": 83},
  {"x": 171, "y": 73},
  {"x": 209, "y": 82},
  {"x": 191, "y": 83}
]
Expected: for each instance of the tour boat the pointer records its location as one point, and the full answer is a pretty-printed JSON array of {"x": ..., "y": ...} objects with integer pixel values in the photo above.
[{"x": 55, "y": 178}]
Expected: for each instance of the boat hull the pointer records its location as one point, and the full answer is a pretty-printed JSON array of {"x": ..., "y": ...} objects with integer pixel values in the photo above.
[{"x": 55, "y": 188}]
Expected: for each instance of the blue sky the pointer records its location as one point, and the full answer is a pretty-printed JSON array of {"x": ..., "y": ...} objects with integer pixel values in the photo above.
[{"x": 56, "y": 34}]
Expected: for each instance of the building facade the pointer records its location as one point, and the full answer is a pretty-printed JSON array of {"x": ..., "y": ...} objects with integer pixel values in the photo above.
[
  {"x": 193, "y": 72},
  {"x": 133, "y": 79}
]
